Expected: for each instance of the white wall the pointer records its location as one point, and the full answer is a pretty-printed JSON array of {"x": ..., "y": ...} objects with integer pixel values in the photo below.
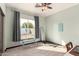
[
  {"x": 9, "y": 27},
  {"x": 70, "y": 20},
  {"x": 42, "y": 28}
]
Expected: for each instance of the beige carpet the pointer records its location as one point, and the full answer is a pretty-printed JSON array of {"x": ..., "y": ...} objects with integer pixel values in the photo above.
[{"x": 36, "y": 49}]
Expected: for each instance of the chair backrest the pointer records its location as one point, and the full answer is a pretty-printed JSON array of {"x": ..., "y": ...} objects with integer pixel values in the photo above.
[{"x": 69, "y": 46}]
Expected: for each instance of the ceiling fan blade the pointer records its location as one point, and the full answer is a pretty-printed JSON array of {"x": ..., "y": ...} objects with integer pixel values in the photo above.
[
  {"x": 37, "y": 5},
  {"x": 48, "y": 3},
  {"x": 49, "y": 7}
]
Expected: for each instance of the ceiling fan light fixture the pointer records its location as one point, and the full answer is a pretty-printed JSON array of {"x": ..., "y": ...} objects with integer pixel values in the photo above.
[{"x": 44, "y": 6}]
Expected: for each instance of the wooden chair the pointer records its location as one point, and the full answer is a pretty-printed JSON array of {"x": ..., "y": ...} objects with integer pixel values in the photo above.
[{"x": 69, "y": 46}]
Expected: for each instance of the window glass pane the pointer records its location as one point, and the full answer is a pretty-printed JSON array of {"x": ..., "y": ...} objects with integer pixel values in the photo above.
[{"x": 27, "y": 29}]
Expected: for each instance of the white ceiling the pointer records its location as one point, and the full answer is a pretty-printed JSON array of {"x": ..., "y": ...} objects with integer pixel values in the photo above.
[{"x": 30, "y": 7}]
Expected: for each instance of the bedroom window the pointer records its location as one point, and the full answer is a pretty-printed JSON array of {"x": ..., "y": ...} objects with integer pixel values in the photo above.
[{"x": 27, "y": 29}]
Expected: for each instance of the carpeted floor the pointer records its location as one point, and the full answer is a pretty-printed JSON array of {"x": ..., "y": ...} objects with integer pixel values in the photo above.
[{"x": 36, "y": 49}]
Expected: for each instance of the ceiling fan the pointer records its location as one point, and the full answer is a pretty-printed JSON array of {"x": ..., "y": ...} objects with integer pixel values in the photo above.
[{"x": 44, "y": 6}]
